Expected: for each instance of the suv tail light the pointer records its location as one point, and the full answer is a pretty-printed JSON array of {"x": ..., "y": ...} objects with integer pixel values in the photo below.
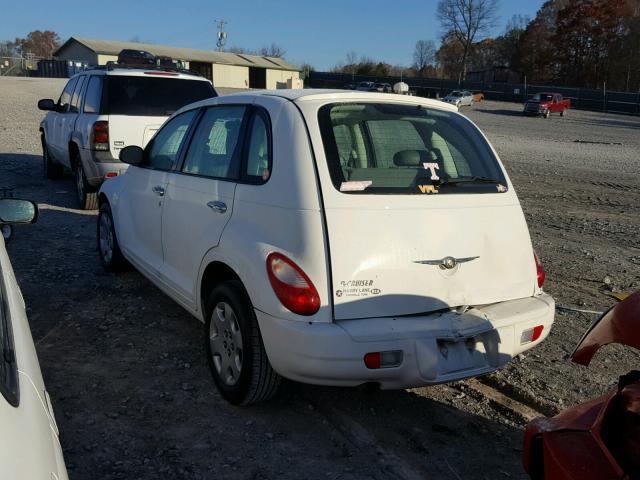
[
  {"x": 539, "y": 270},
  {"x": 100, "y": 136},
  {"x": 291, "y": 285}
]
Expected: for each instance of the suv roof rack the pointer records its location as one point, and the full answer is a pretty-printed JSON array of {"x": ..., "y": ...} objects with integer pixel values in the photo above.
[{"x": 111, "y": 65}]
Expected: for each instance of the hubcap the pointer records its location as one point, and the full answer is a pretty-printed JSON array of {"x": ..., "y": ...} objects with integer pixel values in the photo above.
[
  {"x": 106, "y": 238},
  {"x": 225, "y": 340}
]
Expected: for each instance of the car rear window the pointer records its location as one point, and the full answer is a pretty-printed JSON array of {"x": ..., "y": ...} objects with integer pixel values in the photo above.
[
  {"x": 406, "y": 149},
  {"x": 153, "y": 96}
]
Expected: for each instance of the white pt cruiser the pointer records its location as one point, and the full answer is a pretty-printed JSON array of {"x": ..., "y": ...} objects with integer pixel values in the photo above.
[{"x": 334, "y": 238}]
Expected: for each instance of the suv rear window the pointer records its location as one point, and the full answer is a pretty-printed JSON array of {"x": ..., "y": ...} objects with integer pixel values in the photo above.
[
  {"x": 404, "y": 149},
  {"x": 152, "y": 96}
]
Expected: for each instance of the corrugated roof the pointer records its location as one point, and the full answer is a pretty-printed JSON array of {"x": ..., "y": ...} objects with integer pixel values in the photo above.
[{"x": 113, "y": 47}]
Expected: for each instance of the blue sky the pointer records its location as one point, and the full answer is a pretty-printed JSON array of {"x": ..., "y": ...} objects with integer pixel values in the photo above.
[{"x": 320, "y": 33}]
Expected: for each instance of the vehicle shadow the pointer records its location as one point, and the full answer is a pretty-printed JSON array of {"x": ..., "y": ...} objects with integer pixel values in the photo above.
[
  {"x": 503, "y": 112},
  {"x": 133, "y": 397}
]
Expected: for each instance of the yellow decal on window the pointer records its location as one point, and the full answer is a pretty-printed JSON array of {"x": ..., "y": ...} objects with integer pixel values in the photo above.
[{"x": 428, "y": 188}]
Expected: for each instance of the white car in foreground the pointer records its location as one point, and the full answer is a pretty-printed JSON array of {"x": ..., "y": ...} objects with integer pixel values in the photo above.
[
  {"x": 29, "y": 445},
  {"x": 334, "y": 238}
]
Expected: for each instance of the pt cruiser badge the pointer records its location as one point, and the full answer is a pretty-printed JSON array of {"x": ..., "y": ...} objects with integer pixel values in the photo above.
[{"x": 446, "y": 263}]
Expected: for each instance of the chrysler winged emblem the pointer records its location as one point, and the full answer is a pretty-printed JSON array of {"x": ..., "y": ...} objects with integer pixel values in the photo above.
[{"x": 446, "y": 263}]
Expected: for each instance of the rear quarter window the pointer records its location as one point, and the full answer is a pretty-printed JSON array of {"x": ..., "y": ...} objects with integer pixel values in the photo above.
[
  {"x": 406, "y": 149},
  {"x": 152, "y": 95}
]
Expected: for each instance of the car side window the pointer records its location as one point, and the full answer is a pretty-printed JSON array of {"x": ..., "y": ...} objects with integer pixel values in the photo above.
[
  {"x": 75, "y": 98},
  {"x": 65, "y": 97},
  {"x": 93, "y": 96},
  {"x": 258, "y": 166},
  {"x": 214, "y": 150},
  {"x": 8, "y": 367},
  {"x": 164, "y": 148}
]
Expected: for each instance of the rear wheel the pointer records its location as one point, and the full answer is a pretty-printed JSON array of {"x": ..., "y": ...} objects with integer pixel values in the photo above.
[
  {"x": 51, "y": 169},
  {"x": 87, "y": 196},
  {"x": 236, "y": 354}
]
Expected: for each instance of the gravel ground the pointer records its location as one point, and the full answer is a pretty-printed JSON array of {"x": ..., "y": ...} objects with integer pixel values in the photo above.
[{"x": 125, "y": 368}]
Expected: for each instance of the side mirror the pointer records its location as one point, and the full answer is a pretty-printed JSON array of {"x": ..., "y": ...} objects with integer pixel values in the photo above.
[
  {"x": 47, "y": 104},
  {"x": 14, "y": 211},
  {"x": 133, "y": 155}
]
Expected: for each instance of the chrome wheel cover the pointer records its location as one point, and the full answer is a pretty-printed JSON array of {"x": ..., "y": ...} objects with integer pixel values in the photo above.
[
  {"x": 225, "y": 342},
  {"x": 105, "y": 239}
]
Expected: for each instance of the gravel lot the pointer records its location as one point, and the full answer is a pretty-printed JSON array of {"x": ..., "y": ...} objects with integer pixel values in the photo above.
[{"x": 125, "y": 368}]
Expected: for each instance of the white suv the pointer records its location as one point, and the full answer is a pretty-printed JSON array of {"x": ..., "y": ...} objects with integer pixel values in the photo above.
[
  {"x": 104, "y": 109},
  {"x": 334, "y": 238}
]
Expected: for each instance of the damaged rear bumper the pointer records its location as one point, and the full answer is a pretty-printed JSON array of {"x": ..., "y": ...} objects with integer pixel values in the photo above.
[{"x": 436, "y": 348}]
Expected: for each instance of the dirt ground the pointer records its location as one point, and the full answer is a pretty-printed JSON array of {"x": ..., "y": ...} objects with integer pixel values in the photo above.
[{"x": 125, "y": 367}]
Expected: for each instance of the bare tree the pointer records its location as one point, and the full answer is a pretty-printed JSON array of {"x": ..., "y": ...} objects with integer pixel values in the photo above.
[
  {"x": 467, "y": 21},
  {"x": 352, "y": 63},
  {"x": 424, "y": 55},
  {"x": 273, "y": 50}
]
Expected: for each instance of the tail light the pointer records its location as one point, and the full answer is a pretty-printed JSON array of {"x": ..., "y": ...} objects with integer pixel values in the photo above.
[
  {"x": 291, "y": 285},
  {"x": 100, "y": 136},
  {"x": 539, "y": 270},
  {"x": 531, "y": 334}
]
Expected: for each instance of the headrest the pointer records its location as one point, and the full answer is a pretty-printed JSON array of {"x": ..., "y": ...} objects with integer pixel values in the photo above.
[{"x": 411, "y": 158}]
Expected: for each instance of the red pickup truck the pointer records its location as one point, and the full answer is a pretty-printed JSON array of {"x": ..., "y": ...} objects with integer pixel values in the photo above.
[{"x": 545, "y": 104}]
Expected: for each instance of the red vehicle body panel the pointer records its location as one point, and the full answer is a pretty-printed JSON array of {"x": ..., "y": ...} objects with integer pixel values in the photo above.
[
  {"x": 599, "y": 439},
  {"x": 555, "y": 104}
]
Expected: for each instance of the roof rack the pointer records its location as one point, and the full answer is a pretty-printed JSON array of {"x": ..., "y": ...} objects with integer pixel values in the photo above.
[{"x": 111, "y": 65}]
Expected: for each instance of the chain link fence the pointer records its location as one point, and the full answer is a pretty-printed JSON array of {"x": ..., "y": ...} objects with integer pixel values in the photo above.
[
  {"x": 18, "y": 66},
  {"x": 581, "y": 98}
]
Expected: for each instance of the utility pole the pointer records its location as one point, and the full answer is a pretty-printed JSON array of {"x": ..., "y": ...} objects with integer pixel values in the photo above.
[{"x": 222, "y": 35}]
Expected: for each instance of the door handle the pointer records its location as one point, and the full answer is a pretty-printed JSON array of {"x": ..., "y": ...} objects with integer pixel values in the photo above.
[
  {"x": 219, "y": 207},
  {"x": 158, "y": 190}
]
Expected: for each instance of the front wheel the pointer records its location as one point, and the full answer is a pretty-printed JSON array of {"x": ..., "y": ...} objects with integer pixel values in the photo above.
[
  {"x": 108, "y": 248},
  {"x": 51, "y": 170},
  {"x": 236, "y": 354},
  {"x": 87, "y": 198},
  {"x": 562, "y": 113},
  {"x": 547, "y": 114}
]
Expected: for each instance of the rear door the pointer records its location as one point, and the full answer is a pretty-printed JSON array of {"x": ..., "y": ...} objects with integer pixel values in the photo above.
[
  {"x": 420, "y": 216},
  {"x": 57, "y": 140},
  {"x": 139, "y": 104},
  {"x": 141, "y": 202},
  {"x": 199, "y": 198}
]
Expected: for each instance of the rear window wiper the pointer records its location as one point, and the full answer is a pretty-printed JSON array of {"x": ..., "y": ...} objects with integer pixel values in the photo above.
[{"x": 458, "y": 180}]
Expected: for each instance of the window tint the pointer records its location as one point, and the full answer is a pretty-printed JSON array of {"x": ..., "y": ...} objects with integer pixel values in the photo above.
[
  {"x": 214, "y": 149},
  {"x": 94, "y": 95},
  {"x": 8, "y": 367},
  {"x": 166, "y": 144},
  {"x": 387, "y": 148},
  {"x": 259, "y": 151},
  {"x": 153, "y": 96},
  {"x": 65, "y": 98},
  {"x": 75, "y": 99}
]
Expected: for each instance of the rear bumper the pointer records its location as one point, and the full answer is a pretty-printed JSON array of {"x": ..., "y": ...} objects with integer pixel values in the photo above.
[
  {"x": 98, "y": 164},
  {"x": 436, "y": 348}
]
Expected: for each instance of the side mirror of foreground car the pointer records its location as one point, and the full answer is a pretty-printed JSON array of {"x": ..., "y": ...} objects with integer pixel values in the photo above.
[
  {"x": 46, "y": 104},
  {"x": 15, "y": 211},
  {"x": 132, "y": 155}
]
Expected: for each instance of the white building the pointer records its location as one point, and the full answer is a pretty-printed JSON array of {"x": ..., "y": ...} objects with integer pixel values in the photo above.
[{"x": 227, "y": 70}]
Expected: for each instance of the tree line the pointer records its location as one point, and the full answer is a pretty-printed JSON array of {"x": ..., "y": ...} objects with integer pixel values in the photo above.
[{"x": 578, "y": 43}]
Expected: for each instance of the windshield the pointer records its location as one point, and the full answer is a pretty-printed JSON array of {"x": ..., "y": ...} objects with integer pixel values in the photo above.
[
  {"x": 455, "y": 94},
  {"x": 406, "y": 149},
  {"x": 544, "y": 97},
  {"x": 153, "y": 96},
  {"x": 619, "y": 325}
]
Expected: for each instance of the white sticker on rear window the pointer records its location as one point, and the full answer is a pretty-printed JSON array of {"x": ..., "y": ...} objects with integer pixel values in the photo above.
[
  {"x": 354, "y": 186},
  {"x": 433, "y": 167}
]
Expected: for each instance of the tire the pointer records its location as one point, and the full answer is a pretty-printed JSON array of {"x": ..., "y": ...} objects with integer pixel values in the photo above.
[
  {"x": 235, "y": 352},
  {"x": 51, "y": 169},
  {"x": 86, "y": 195},
  {"x": 562, "y": 113},
  {"x": 111, "y": 256},
  {"x": 547, "y": 114}
]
